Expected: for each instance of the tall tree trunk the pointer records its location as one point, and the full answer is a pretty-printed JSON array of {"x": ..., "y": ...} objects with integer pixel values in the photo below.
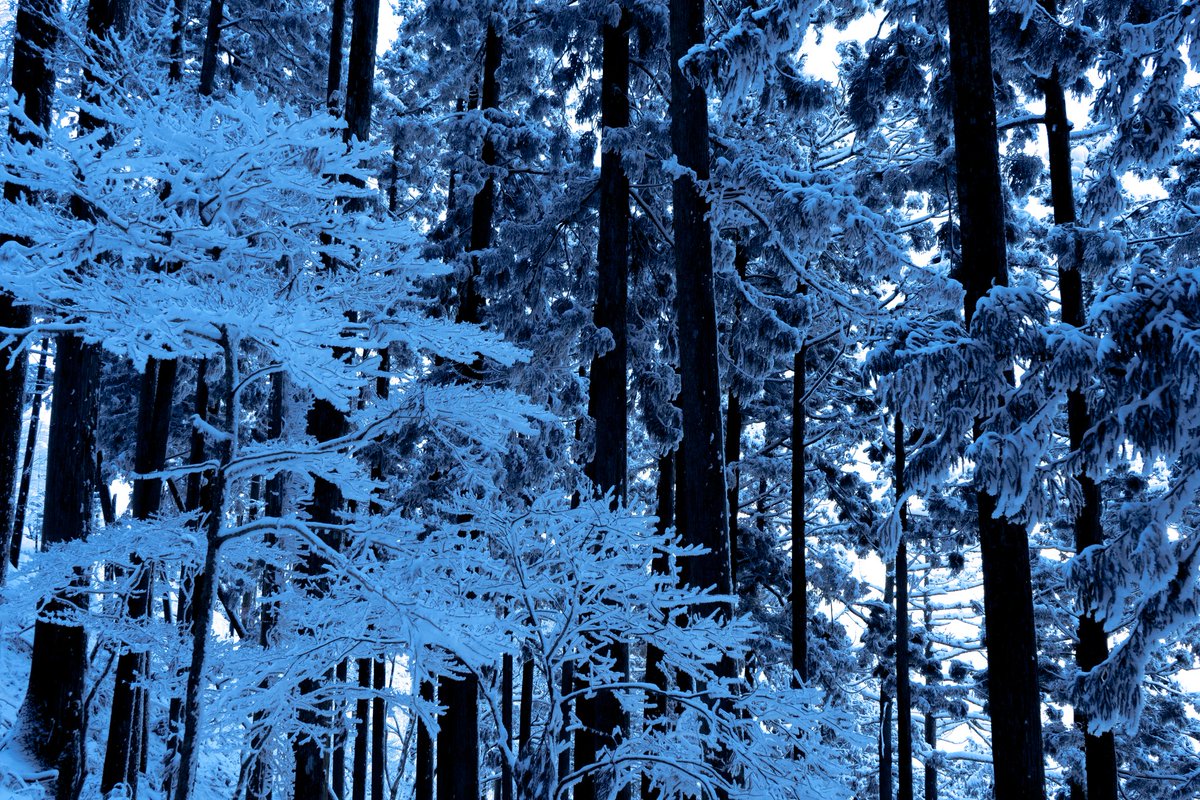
[
  {"x": 123, "y": 756},
  {"x": 1014, "y": 701},
  {"x": 602, "y": 720},
  {"x": 701, "y": 507},
  {"x": 258, "y": 787},
  {"x": 52, "y": 717},
  {"x": 1100, "y": 756},
  {"x": 178, "y": 25},
  {"x": 799, "y": 530},
  {"x": 31, "y": 436},
  {"x": 362, "y": 736},
  {"x": 904, "y": 789},
  {"x": 378, "y": 733},
  {"x": 33, "y": 79},
  {"x": 458, "y": 737},
  {"x": 423, "y": 787},
  {"x": 656, "y": 706},
  {"x": 886, "y": 704},
  {"x": 470, "y": 302},
  {"x": 204, "y": 592},
  {"x": 333, "y": 81},
  {"x": 931, "y": 737},
  {"x": 212, "y": 45}
]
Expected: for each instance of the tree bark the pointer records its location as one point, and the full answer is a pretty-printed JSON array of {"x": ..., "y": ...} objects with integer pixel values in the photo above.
[
  {"x": 1014, "y": 701},
  {"x": 799, "y": 552},
  {"x": 656, "y": 706},
  {"x": 123, "y": 756},
  {"x": 31, "y": 435},
  {"x": 1100, "y": 756},
  {"x": 52, "y": 718},
  {"x": 378, "y": 733},
  {"x": 423, "y": 789},
  {"x": 337, "y": 29},
  {"x": 212, "y": 44},
  {"x": 602, "y": 720},
  {"x": 904, "y": 773},
  {"x": 362, "y": 737},
  {"x": 701, "y": 506},
  {"x": 33, "y": 80}
]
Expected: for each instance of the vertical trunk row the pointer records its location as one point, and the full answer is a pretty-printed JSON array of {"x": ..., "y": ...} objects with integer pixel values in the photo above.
[
  {"x": 799, "y": 549},
  {"x": 656, "y": 705},
  {"x": 904, "y": 776},
  {"x": 931, "y": 738},
  {"x": 702, "y": 512},
  {"x": 1014, "y": 701},
  {"x": 1100, "y": 757},
  {"x": 601, "y": 717},
  {"x": 886, "y": 704},
  {"x": 458, "y": 736},
  {"x": 33, "y": 81}
]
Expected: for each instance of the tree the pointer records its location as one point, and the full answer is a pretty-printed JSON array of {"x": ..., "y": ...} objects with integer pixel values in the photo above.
[{"x": 1014, "y": 701}]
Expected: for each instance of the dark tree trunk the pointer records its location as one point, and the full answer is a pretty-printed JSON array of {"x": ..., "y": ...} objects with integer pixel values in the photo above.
[
  {"x": 656, "y": 706},
  {"x": 212, "y": 44},
  {"x": 733, "y": 457},
  {"x": 931, "y": 738},
  {"x": 458, "y": 737},
  {"x": 360, "y": 73},
  {"x": 602, "y": 720},
  {"x": 886, "y": 703},
  {"x": 33, "y": 81},
  {"x": 1014, "y": 701},
  {"x": 470, "y": 302},
  {"x": 378, "y": 733},
  {"x": 337, "y": 29},
  {"x": 362, "y": 734},
  {"x": 701, "y": 507},
  {"x": 52, "y": 717},
  {"x": 904, "y": 789},
  {"x": 799, "y": 549},
  {"x": 506, "y": 717},
  {"x": 423, "y": 788},
  {"x": 204, "y": 589},
  {"x": 526, "y": 709},
  {"x": 1100, "y": 756},
  {"x": 31, "y": 435},
  {"x": 178, "y": 24},
  {"x": 258, "y": 785},
  {"x": 123, "y": 756},
  {"x": 338, "y": 767},
  {"x": 197, "y": 495}
]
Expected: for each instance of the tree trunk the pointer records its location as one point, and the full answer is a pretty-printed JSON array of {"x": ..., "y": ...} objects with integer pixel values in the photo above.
[
  {"x": 886, "y": 703},
  {"x": 470, "y": 303},
  {"x": 423, "y": 788},
  {"x": 123, "y": 756},
  {"x": 35, "y": 418},
  {"x": 378, "y": 733},
  {"x": 1100, "y": 757},
  {"x": 362, "y": 737},
  {"x": 656, "y": 706},
  {"x": 603, "y": 722},
  {"x": 904, "y": 789},
  {"x": 931, "y": 738},
  {"x": 52, "y": 718},
  {"x": 337, "y": 29},
  {"x": 34, "y": 41},
  {"x": 701, "y": 507},
  {"x": 212, "y": 44},
  {"x": 205, "y": 589},
  {"x": 1014, "y": 701},
  {"x": 799, "y": 552}
]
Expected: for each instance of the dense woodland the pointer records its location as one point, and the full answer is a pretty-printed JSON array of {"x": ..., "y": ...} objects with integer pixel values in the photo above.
[{"x": 600, "y": 400}]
